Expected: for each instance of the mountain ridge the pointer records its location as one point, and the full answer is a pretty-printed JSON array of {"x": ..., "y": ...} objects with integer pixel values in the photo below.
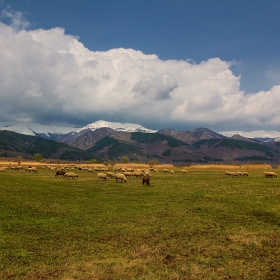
[
  {"x": 167, "y": 146},
  {"x": 66, "y": 134}
]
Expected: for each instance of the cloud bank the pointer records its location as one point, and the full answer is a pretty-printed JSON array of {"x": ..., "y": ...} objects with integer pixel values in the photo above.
[{"x": 47, "y": 76}]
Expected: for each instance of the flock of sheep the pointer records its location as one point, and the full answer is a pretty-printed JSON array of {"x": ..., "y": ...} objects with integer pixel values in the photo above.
[
  {"x": 267, "y": 174},
  {"x": 119, "y": 174},
  {"x": 103, "y": 172},
  {"x": 236, "y": 174}
]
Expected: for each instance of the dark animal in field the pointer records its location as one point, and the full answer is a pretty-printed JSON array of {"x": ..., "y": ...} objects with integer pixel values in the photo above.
[
  {"x": 59, "y": 172},
  {"x": 146, "y": 179}
]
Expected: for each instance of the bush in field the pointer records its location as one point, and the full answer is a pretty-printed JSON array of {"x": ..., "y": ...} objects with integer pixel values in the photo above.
[{"x": 38, "y": 157}]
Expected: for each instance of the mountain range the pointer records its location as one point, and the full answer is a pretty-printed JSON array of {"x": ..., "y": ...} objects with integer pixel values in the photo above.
[
  {"x": 112, "y": 140},
  {"x": 61, "y": 132}
]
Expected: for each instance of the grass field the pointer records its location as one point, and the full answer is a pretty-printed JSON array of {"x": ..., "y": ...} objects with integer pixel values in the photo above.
[{"x": 200, "y": 225}]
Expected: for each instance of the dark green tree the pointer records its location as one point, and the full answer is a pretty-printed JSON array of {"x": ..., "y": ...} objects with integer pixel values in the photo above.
[
  {"x": 125, "y": 159},
  {"x": 38, "y": 157}
]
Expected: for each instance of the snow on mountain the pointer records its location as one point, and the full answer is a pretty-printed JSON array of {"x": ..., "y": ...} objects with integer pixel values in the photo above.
[
  {"x": 35, "y": 128},
  {"x": 256, "y": 134},
  {"x": 127, "y": 127}
]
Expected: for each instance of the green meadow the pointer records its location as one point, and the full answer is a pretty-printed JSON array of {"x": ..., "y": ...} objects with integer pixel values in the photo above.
[{"x": 200, "y": 225}]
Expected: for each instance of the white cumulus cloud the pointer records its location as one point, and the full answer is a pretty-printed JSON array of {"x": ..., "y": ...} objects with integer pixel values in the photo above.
[{"x": 47, "y": 75}]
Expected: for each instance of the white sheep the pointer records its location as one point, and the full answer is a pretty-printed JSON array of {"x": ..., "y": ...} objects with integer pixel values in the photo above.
[
  {"x": 269, "y": 174},
  {"x": 184, "y": 171},
  {"x": 228, "y": 173},
  {"x": 31, "y": 169},
  {"x": 111, "y": 174},
  {"x": 102, "y": 176},
  {"x": 70, "y": 175},
  {"x": 128, "y": 173},
  {"x": 137, "y": 173},
  {"x": 121, "y": 177}
]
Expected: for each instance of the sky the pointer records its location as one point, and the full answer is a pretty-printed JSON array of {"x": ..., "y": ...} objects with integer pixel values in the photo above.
[{"x": 179, "y": 64}]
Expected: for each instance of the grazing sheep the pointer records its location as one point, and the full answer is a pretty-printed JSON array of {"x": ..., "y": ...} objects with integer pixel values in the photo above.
[
  {"x": 121, "y": 177},
  {"x": 111, "y": 174},
  {"x": 184, "y": 171},
  {"x": 171, "y": 171},
  {"x": 117, "y": 169},
  {"x": 245, "y": 174},
  {"x": 70, "y": 175},
  {"x": 59, "y": 172},
  {"x": 165, "y": 170},
  {"x": 228, "y": 173},
  {"x": 269, "y": 174},
  {"x": 235, "y": 174},
  {"x": 146, "y": 179},
  {"x": 128, "y": 173},
  {"x": 102, "y": 176},
  {"x": 90, "y": 170},
  {"x": 137, "y": 173},
  {"x": 13, "y": 167},
  {"x": 31, "y": 169}
]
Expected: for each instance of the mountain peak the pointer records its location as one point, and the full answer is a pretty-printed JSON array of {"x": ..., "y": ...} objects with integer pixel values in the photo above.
[
  {"x": 52, "y": 131},
  {"x": 118, "y": 126}
]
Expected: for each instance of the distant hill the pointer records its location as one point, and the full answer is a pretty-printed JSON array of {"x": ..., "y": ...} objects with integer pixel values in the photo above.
[
  {"x": 14, "y": 144},
  {"x": 89, "y": 139},
  {"x": 167, "y": 146},
  {"x": 192, "y": 136},
  {"x": 237, "y": 150},
  {"x": 144, "y": 147},
  {"x": 67, "y": 134}
]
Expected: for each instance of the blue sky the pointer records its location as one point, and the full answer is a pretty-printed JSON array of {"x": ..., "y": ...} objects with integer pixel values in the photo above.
[{"x": 232, "y": 46}]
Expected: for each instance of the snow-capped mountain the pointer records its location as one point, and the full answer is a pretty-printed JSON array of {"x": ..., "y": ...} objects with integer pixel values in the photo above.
[
  {"x": 60, "y": 132},
  {"x": 34, "y": 129},
  {"x": 262, "y": 135},
  {"x": 118, "y": 126},
  {"x": 48, "y": 131}
]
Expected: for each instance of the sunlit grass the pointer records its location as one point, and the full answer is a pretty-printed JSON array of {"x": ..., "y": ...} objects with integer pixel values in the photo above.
[{"x": 200, "y": 225}]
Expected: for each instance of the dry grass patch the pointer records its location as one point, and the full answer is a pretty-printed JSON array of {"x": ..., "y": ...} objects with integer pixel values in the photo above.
[
  {"x": 247, "y": 238},
  {"x": 163, "y": 166},
  {"x": 229, "y": 166},
  {"x": 132, "y": 165}
]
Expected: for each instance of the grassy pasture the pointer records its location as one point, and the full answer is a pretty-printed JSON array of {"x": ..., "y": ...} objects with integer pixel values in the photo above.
[{"x": 201, "y": 225}]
